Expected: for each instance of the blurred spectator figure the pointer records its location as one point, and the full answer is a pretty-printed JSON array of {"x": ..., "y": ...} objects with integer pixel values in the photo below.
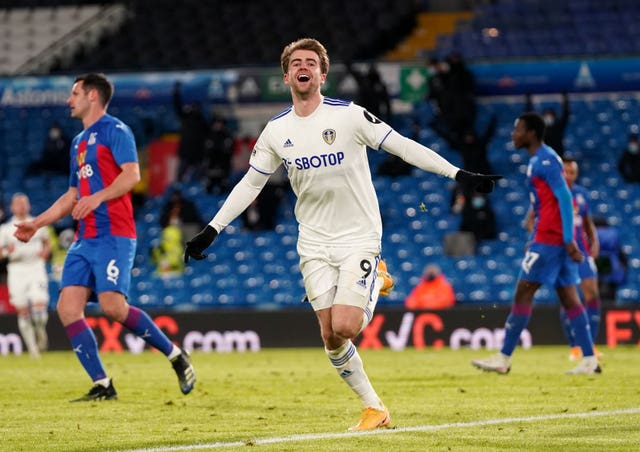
[
  {"x": 452, "y": 88},
  {"x": 193, "y": 133},
  {"x": 380, "y": 93},
  {"x": 433, "y": 291},
  {"x": 54, "y": 153},
  {"x": 218, "y": 151},
  {"x": 60, "y": 244},
  {"x": 611, "y": 262},
  {"x": 629, "y": 163},
  {"x": 437, "y": 83},
  {"x": 181, "y": 212},
  {"x": 474, "y": 148},
  {"x": 554, "y": 126},
  {"x": 460, "y": 83},
  {"x": 372, "y": 92},
  {"x": 478, "y": 216},
  {"x": 167, "y": 256},
  {"x": 262, "y": 214}
]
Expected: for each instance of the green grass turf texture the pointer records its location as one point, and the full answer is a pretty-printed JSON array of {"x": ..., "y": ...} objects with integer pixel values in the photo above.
[{"x": 278, "y": 393}]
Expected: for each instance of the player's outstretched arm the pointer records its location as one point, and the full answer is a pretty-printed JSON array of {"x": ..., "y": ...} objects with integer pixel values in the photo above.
[
  {"x": 424, "y": 158},
  {"x": 238, "y": 200},
  {"x": 25, "y": 230},
  {"x": 482, "y": 183},
  {"x": 200, "y": 242},
  {"x": 418, "y": 155},
  {"x": 60, "y": 208}
]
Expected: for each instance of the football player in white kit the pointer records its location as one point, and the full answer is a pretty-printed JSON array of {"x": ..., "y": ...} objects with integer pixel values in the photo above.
[
  {"x": 27, "y": 276},
  {"x": 322, "y": 144}
]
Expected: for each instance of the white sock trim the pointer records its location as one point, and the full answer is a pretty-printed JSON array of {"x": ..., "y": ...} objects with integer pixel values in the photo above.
[
  {"x": 174, "y": 353},
  {"x": 103, "y": 382}
]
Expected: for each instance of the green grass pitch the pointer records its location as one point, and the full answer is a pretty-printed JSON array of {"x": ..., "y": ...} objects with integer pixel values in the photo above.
[{"x": 437, "y": 400}]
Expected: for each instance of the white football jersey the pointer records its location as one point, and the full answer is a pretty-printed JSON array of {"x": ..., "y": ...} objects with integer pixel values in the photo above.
[
  {"x": 325, "y": 156},
  {"x": 24, "y": 253}
]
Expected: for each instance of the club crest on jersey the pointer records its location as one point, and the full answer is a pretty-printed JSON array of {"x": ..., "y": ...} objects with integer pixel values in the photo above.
[
  {"x": 329, "y": 136},
  {"x": 81, "y": 157}
]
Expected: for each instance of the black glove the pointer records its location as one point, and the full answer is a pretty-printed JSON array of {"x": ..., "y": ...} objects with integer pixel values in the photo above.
[
  {"x": 199, "y": 243},
  {"x": 482, "y": 183}
]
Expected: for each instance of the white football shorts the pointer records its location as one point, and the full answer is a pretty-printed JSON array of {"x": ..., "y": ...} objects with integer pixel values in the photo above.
[
  {"x": 28, "y": 284},
  {"x": 352, "y": 272}
]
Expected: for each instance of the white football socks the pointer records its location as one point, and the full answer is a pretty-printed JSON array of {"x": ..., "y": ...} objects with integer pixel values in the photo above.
[
  {"x": 28, "y": 334},
  {"x": 347, "y": 362},
  {"x": 40, "y": 318}
]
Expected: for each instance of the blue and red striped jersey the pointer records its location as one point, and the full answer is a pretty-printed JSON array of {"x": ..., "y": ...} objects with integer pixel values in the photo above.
[
  {"x": 97, "y": 154},
  {"x": 550, "y": 197}
]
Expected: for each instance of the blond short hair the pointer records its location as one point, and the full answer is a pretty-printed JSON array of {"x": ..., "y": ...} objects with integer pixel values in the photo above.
[{"x": 305, "y": 44}]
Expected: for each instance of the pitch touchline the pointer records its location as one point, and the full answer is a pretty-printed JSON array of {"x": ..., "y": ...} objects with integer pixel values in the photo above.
[{"x": 422, "y": 428}]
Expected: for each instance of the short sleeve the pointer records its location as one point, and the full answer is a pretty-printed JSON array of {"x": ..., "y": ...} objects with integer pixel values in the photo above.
[{"x": 122, "y": 144}]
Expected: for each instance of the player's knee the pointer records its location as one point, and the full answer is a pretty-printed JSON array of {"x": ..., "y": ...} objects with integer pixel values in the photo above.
[
  {"x": 114, "y": 311},
  {"x": 67, "y": 313},
  {"x": 345, "y": 329},
  {"x": 332, "y": 340},
  {"x": 590, "y": 292}
]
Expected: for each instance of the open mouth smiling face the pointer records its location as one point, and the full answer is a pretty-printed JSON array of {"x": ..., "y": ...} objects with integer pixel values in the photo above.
[
  {"x": 303, "y": 73},
  {"x": 303, "y": 78}
]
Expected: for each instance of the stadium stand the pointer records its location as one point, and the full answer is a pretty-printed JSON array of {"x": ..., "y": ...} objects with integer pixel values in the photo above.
[
  {"x": 35, "y": 38},
  {"x": 191, "y": 34},
  {"x": 549, "y": 28},
  {"x": 260, "y": 269}
]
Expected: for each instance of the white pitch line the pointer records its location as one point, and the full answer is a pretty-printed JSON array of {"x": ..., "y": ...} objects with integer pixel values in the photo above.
[{"x": 420, "y": 428}]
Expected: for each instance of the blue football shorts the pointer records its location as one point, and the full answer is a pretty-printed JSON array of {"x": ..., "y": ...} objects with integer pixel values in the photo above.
[
  {"x": 587, "y": 269},
  {"x": 549, "y": 264},
  {"x": 101, "y": 264}
]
